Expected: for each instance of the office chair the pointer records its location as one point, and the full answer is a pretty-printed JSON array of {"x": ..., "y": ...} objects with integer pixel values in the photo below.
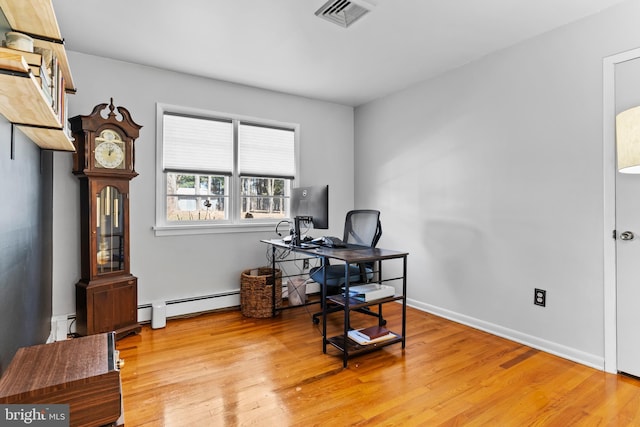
[{"x": 362, "y": 227}]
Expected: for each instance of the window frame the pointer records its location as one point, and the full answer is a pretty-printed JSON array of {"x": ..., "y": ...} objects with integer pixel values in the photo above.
[{"x": 235, "y": 224}]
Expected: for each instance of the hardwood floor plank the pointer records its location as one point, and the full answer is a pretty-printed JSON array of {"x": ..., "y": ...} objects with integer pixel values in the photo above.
[{"x": 222, "y": 369}]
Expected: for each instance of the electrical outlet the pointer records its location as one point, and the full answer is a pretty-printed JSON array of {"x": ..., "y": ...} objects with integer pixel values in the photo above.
[
  {"x": 305, "y": 263},
  {"x": 540, "y": 297}
]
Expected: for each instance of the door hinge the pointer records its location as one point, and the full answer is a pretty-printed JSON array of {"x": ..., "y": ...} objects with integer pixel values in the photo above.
[{"x": 613, "y": 234}]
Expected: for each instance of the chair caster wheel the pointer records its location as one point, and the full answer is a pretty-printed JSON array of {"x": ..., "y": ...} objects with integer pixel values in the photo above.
[
  {"x": 316, "y": 320},
  {"x": 384, "y": 322}
]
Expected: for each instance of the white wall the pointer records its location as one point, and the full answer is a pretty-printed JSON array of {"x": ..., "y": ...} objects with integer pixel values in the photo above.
[
  {"x": 491, "y": 177},
  {"x": 170, "y": 268}
]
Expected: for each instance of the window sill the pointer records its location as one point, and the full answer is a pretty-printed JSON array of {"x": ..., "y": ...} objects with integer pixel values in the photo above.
[{"x": 199, "y": 229}]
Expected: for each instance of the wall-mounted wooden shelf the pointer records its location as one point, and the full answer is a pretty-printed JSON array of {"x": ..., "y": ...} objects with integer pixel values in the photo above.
[
  {"x": 25, "y": 105},
  {"x": 23, "y": 101},
  {"x": 38, "y": 19},
  {"x": 48, "y": 139}
]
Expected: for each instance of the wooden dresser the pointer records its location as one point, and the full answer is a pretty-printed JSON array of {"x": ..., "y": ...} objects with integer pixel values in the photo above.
[{"x": 81, "y": 372}]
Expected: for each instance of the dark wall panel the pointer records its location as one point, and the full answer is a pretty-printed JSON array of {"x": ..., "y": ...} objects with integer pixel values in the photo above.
[{"x": 26, "y": 198}]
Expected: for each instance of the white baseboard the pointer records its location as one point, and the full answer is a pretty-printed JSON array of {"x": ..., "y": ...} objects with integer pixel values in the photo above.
[
  {"x": 559, "y": 350},
  {"x": 61, "y": 325}
]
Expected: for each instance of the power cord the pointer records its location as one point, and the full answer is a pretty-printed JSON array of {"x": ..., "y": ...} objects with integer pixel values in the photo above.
[{"x": 282, "y": 254}]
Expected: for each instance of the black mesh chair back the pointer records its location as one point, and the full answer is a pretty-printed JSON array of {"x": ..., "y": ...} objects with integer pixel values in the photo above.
[{"x": 362, "y": 227}]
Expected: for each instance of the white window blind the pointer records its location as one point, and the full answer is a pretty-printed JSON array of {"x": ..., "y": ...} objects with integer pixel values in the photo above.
[
  {"x": 197, "y": 144},
  {"x": 266, "y": 151}
]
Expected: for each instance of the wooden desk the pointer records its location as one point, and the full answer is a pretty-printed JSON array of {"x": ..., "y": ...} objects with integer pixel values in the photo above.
[{"x": 81, "y": 372}]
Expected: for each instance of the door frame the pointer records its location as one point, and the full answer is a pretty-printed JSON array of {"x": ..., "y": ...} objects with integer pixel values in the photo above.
[{"x": 609, "y": 223}]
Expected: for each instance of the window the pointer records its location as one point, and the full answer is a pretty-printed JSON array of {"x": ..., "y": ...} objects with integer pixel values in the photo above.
[{"x": 218, "y": 170}]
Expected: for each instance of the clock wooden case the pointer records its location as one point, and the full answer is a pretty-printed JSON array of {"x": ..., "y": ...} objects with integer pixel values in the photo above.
[{"x": 107, "y": 293}]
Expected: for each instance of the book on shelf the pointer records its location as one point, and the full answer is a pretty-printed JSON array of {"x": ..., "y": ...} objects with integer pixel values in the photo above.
[
  {"x": 55, "y": 81},
  {"x": 370, "y": 292},
  {"x": 42, "y": 76},
  {"x": 373, "y": 332},
  {"x": 49, "y": 75},
  {"x": 47, "y": 55},
  {"x": 356, "y": 336},
  {"x": 45, "y": 88},
  {"x": 66, "y": 127}
]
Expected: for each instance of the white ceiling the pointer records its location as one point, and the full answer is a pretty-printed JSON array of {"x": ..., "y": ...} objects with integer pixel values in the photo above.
[{"x": 281, "y": 45}]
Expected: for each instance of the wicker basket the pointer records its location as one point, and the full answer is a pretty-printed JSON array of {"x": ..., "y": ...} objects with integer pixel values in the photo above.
[{"x": 256, "y": 292}]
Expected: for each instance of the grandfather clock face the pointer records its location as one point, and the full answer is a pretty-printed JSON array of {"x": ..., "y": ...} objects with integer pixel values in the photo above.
[
  {"x": 104, "y": 145},
  {"x": 110, "y": 245},
  {"x": 110, "y": 151}
]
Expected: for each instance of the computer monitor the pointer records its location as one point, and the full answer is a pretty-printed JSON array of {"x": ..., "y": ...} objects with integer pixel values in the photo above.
[{"x": 309, "y": 205}]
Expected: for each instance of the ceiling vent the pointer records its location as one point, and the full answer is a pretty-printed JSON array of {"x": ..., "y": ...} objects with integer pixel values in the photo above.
[{"x": 345, "y": 12}]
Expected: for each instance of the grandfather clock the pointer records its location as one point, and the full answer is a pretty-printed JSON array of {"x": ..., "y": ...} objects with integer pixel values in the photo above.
[{"x": 107, "y": 293}]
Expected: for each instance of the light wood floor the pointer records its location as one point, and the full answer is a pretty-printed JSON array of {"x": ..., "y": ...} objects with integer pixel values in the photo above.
[{"x": 222, "y": 369}]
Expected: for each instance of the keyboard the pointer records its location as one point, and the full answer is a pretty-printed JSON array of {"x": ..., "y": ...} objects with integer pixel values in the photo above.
[{"x": 329, "y": 241}]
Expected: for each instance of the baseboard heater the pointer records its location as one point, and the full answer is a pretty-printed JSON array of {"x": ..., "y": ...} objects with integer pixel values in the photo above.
[
  {"x": 192, "y": 305},
  {"x": 198, "y": 304}
]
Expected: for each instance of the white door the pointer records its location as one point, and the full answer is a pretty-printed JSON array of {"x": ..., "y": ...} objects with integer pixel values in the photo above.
[{"x": 627, "y": 78}]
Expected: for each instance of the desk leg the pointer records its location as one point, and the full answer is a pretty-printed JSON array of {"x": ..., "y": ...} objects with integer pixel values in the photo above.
[
  {"x": 381, "y": 321},
  {"x": 404, "y": 300},
  {"x": 274, "y": 278},
  {"x": 323, "y": 302},
  {"x": 347, "y": 321}
]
